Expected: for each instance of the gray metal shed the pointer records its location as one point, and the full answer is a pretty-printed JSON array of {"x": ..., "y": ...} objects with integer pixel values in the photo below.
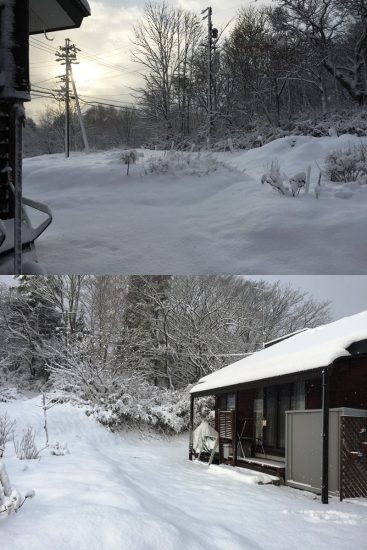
[{"x": 304, "y": 452}]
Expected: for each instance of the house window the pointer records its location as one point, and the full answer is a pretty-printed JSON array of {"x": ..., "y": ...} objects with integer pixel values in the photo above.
[
  {"x": 231, "y": 401},
  {"x": 227, "y": 402},
  {"x": 298, "y": 402},
  {"x": 222, "y": 402}
]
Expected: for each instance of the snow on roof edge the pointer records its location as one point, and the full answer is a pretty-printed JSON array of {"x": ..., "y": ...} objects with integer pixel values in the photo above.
[{"x": 306, "y": 350}]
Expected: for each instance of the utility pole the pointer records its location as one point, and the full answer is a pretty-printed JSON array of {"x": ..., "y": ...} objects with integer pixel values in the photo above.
[
  {"x": 66, "y": 55},
  {"x": 212, "y": 39}
]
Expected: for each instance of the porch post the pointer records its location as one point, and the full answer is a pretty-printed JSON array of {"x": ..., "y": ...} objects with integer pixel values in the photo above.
[
  {"x": 15, "y": 89},
  {"x": 191, "y": 428},
  {"x": 325, "y": 438}
]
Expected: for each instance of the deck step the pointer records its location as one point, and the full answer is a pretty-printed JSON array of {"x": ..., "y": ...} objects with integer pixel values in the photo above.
[{"x": 265, "y": 465}]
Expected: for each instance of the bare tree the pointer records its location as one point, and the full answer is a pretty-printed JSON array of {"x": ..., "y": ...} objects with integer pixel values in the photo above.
[
  {"x": 164, "y": 44},
  {"x": 329, "y": 26}
]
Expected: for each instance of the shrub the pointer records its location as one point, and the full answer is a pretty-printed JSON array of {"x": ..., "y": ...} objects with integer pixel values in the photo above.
[
  {"x": 26, "y": 447},
  {"x": 274, "y": 178},
  {"x": 6, "y": 431},
  {"x": 347, "y": 165}
]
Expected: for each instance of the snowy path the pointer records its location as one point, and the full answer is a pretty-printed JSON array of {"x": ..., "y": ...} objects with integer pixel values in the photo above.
[
  {"x": 183, "y": 223},
  {"x": 121, "y": 492}
]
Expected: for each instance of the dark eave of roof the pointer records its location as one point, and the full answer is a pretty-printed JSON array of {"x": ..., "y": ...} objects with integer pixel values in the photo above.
[{"x": 74, "y": 9}]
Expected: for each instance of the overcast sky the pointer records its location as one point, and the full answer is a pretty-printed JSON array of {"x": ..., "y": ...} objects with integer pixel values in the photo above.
[
  {"x": 347, "y": 293},
  {"x": 105, "y": 38}
]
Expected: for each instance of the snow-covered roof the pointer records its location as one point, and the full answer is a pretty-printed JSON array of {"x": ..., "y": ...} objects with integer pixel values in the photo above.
[{"x": 310, "y": 349}]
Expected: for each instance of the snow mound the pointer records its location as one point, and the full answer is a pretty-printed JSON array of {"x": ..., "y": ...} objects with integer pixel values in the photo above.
[
  {"x": 243, "y": 475},
  {"x": 198, "y": 216}
]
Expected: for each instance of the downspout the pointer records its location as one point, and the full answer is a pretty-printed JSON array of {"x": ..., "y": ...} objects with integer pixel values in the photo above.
[
  {"x": 191, "y": 428},
  {"x": 235, "y": 432},
  {"x": 325, "y": 437}
]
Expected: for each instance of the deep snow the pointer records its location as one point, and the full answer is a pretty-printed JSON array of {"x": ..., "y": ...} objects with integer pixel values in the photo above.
[
  {"x": 125, "y": 492},
  {"x": 225, "y": 221}
]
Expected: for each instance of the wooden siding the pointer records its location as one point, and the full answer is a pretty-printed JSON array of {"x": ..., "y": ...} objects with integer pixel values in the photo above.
[{"x": 348, "y": 385}]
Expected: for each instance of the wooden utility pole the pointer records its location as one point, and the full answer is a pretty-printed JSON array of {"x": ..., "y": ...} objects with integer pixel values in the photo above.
[
  {"x": 66, "y": 55},
  {"x": 212, "y": 40}
]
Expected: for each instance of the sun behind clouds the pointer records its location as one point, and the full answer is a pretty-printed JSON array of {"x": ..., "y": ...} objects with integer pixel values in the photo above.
[{"x": 86, "y": 71}]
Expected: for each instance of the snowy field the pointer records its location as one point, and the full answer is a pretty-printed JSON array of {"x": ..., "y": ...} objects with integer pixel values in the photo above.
[
  {"x": 127, "y": 492},
  {"x": 202, "y": 215}
]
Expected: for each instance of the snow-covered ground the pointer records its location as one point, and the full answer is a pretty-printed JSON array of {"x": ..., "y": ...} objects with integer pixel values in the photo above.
[
  {"x": 125, "y": 492},
  {"x": 187, "y": 221}
]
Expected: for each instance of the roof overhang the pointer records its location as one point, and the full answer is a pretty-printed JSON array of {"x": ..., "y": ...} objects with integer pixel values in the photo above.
[
  {"x": 298, "y": 376},
  {"x": 274, "y": 381},
  {"x": 56, "y": 15}
]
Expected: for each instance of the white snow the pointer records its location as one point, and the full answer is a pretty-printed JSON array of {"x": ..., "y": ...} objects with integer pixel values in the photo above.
[
  {"x": 124, "y": 492},
  {"x": 309, "y": 349},
  {"x": 223, "y": 221}
]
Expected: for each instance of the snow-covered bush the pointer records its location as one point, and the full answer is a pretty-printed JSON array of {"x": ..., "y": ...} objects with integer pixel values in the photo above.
[
  {"x": 129, "y": 157},
  {"x": 274, "y": 178},
  {"x": 284, "y": 185},
  {"x": 26, "y": 448},
  {"x": 191, "y": 164},
  {"x": 347, "y": 165},
  {"x": 9, "y": 394},
  {"x": 59, "y": 449},
  {"x": 142, "y": 404},
  {"x": 297, "y": 182},
  {"x": 6, "y": 431},
  {"x": 10, "y": 498}
]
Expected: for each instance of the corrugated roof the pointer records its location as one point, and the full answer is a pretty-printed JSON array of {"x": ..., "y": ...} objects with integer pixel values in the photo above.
[{"x": 307, "y": 350}]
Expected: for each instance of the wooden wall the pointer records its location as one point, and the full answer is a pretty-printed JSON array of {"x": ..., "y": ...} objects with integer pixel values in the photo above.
[{"x": 348, "y": 386}]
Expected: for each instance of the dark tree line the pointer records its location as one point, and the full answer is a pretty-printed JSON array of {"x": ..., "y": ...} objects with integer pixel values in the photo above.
[{"x": 106, "y": 127}]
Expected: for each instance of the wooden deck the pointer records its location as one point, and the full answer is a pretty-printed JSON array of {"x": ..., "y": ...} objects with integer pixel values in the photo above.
[{"x": 265, "y": 465}]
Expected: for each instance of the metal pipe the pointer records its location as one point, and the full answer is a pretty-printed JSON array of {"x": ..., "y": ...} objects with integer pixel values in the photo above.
[{"x": 325, "y": 438}]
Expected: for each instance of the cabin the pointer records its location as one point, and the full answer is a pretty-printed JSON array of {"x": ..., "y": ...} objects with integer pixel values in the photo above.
[
  {"x": 297, "y": 409},
  {"x": 19, "y": 19}
]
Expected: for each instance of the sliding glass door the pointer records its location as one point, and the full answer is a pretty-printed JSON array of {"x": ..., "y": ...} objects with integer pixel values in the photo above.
[{"x": 277, "y": 400}]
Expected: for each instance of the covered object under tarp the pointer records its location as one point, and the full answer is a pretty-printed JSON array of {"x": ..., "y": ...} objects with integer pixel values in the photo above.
[{"x": 204, "y": 438}]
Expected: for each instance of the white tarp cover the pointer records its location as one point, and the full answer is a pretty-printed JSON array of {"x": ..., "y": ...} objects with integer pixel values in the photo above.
[
  {"x": 313, "y": 348},
  {"x": 204, "y": 437}
]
